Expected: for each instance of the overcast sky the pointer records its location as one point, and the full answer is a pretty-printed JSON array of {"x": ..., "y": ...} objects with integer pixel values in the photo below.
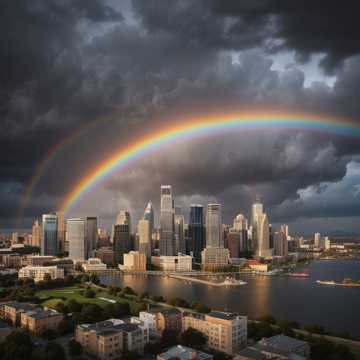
[{"x": 68, "y": 63}]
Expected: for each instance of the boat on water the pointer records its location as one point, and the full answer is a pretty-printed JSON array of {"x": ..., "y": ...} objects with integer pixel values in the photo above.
[
  {"x": 233, "y": 282},
  {"x": 326, "y": 282},
  {"x": 298, "y": 275},
  {"x": 345, "y": 283}
]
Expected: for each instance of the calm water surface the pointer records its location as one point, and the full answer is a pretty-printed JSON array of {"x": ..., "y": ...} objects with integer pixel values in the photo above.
[{"x": 302, "y": 300}]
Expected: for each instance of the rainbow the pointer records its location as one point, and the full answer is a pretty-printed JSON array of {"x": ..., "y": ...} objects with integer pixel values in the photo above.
[
  {"x": 195, "y": 128},
  {"x": 49, "y": 157}
]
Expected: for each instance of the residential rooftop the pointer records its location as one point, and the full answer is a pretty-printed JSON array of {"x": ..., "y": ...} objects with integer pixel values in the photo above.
[
  {"x": 284, "y": 342},
  {"x": 184, "y": 353}
]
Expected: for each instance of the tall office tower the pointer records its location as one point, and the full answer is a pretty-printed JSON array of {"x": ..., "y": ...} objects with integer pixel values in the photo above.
[
  {"x": 214, "y": 233},
  {"x": 121, "y": 237},
  {"x": 271, "y": 237},
  {"x": 149, "y": 215},
  {"x": 49, "y": 244},
  {"x": 196, "y": 231},
  {"x": 261, "y": 235},
  {"x": 285, "y": 229},
  {"x": 179, "y": 221},
  {"x": 14, "y": 238},
  {"x": 76, "y": 235},
  {"x": 280, "y": 243},
  {"x": 61, "y": 230},
  {"x": 145, "y": 241},
  {"x": 317, "y": 240},
  {"x": 167, "y": 238},
  {"x": 36, "y": 234},
  {"x": 241, "y": 227},
  {"x": 91, "y": 235}
]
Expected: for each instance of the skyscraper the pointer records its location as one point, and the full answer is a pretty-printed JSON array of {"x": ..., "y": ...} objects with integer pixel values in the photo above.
[
  {"x": 49, "y": 243},
  {"x": 76, "y": 235},
  {"x": 36, "y": 234},
  {"x": 214, "y": 233},
  {"x": 239, "y": 227},
  {"x": 179, "y": 232},
  {"x": 91, "y": 235},
  {"x": 167, "y": 238},
  {"x": 144, "y": 233},
  {"x": 149, "y": 215},
  {"x": 196, "y": 231},
  {"x": 280, "y": 244},
  {"x": 61, "y": 230},
  {"x": 121, "y": 236},
  {"x": 261, "y": 235}
]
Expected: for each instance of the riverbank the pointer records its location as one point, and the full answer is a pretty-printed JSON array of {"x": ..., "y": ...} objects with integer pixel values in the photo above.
[{"x": 209, "y": 283}]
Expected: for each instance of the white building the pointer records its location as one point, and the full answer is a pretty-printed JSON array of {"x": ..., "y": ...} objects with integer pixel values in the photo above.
[
  {"x": 144, "y": 326},
  {"x": 37, "y": 273},
  {"x": 149, "y": 319},
  {"x": 93, "y": 264},
  {"x": 173, "y": 263}
]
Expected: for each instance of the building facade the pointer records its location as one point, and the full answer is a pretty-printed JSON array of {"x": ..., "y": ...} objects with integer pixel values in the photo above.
[
  {"x": 196, "y": 231},
  {"x": 173, "y": 263},
  {"x": 214, "y": 258},
  {"x": 76, "y": 235},
  {"x": 49, "y": 242},
  {"x": 38, "y": 273},
  {"x": 134, "y": 261},
  {"x": 214, "y": 233},
  {"x": 167, "y": 236}
]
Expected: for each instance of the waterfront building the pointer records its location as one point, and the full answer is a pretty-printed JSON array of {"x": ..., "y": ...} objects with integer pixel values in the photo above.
[
  {"x": 49, "y": 243},
  {"x": 196, "y": 231},
  {"x": 61, "y": 230},
  {"x": 76, "y": 235},
  {"x": 122, "y": 236},
  {"x": 37, "y": 273},
  {"x": 317, "y": 240},
  {"x": 167, "y": 236},
  {"x": 36, "y": 234},
  {"x": 214, "y": 233},
  {"x": 134, "y": 261},
  {"x": 106, "y": 255},
  {"x": 173, "y": 263},
  {"x": 182, "y": 352},
  {"x": 93, "y": 264},
  {"x": 258, "y": 266},
  {"x": 327, "y": 243},
  {"x": 144, "y": 234},
  {"x": 261, "y": 234},
  {"x": 38, "y": 260},
  {"x": 280, "y": 244},
  {"x": 226, "y": 332},
  {"x": 233, "y": 244},
  {"x": 37, "y": 321},
  {"x": 214, "y": 258},
  {"x": 91, "y": 235}
]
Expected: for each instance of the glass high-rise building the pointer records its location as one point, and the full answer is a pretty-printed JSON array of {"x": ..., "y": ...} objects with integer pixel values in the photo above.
[
  {"x": 149, "y": 215},
  {"x": 121, "y": 237},
  {"x": 61, "y": 230},
  {"x": 179, "y": 221},
  {"x": 76, "y": 235},
  {"x": 260, "y": 231},
  {"x": 196, "y": 231},
  {"x": 167, "y": 238},
  {"x": 49, "y": 243},
  {"x": 214, "y": 233}
]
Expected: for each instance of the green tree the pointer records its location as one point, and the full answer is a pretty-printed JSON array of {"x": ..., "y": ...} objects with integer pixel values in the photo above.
[
  {"x": 193, "y": 338},
  {"x": 17, "y": 345},
  {"x": 74, "y": 348},
  {"x": 65, "y": 326},
  {"x": 89, "y": 293},
  {"x": 54, "y": 351},
  {"x": 73, "y": 306},
  {"x": 91, "y": 313}
]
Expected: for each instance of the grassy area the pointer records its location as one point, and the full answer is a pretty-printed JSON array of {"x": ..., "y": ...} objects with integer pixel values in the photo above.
[{"x": 53, "y": 296}]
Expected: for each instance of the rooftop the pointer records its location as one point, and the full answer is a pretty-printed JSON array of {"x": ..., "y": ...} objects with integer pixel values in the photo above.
[
  {"x": 20, "y": 306},
  {"x": 283, "y": 342},
  {"x": 38, "y": 313},
  {"x": 223, "y": 315},
  {"x": 184, "y": 353},
  {"x": 103, "y": 325}
]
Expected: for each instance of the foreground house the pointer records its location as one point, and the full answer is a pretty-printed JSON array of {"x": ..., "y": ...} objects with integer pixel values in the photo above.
[{"x": 183, "y": 353}]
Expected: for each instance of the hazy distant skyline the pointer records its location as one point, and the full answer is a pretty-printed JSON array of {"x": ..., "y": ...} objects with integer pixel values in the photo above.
[{"x": 65, "y": 64}]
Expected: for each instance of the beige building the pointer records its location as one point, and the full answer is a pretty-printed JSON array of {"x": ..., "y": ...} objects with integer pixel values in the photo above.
[
  {"x": 173, "y": 263},
  {"x": 11, "y": 312},
  {"x": 93, "y": 264},
  {"x": 144, "y": 234},
  {"x": 39, "y": 260},
  {"x": 226, "y": 332},
  {"x": 162, "y": 319},
  {"x": 36, "y": 234},
  {"x": 37, "y": 321},
  {"x": 214, "y": 258},
  {"x": 107, "y": 339},
  {"x": 37, "y": 273},
  {"x": 134, "y": 261}
]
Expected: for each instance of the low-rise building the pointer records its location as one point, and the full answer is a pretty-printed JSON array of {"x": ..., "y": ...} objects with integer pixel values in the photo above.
[
  {"x": 279, "y": 347},
  {"x": 133, "y": 338},
  {"x": 183, "y": 353},
  {"x": 37, "y": 273},
  {"x": 11, "y": 311},
  {"x": 39, "y": 260},
  {"x": 213, "y": 258},
  {"x": 145, "y": 328},
  {"x": 177, "y": 263},
  {"x": 162, "y": 319},
  {"x": 93, "y": 264},
  {"x": 149, "y": 319},
  {"x": 134, "y": 261},
  {"x": 226, "y": 332},
  {"x": 38, "y": 320}
]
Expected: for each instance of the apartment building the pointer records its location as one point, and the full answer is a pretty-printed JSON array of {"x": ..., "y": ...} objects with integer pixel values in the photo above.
[
  {"x": 37, "y": 273},
  {"x": 93, "y": 264},
  {"x": 163, "y": 319},
  {"x": 226, "y": 332},
  {"x": 37, "y": 321},
  {"x": 11, "y": 312},
  {"x": 134, "y": 261}
]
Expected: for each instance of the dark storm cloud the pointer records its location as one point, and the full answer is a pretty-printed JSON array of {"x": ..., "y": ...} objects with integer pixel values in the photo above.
[{"x": 69, "y": 62}]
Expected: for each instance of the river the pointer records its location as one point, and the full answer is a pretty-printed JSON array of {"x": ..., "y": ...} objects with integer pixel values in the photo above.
[{"x": 298, "y": 299}]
